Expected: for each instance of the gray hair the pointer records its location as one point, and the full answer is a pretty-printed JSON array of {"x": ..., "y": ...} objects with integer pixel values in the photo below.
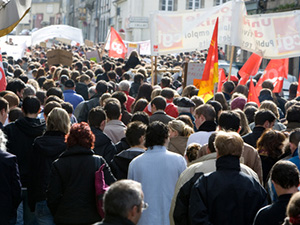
[
  {"x": 3, "y": 141},
  {"x": 91, "y": 91},
  {"x": 121, "y": 196},
  {"x": 124, "y": 85},
  {"x": 29, "y": 90}
]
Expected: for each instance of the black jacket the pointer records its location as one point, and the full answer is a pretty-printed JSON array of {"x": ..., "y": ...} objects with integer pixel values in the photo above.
[
  {"x": 103, "y": 145},
  {"x": 20, "y": 136},
  {"x": 252, "y": 138},
  {"x": 273, "y": 214},
  {"x": 87, "y": 106},
  {"x": 122, "y": 145},
  {"x": 120, "y": 163},
  {"x": 208, "y": 126},
  {"x": 46, "y": 149},
  {"x": 71, "y": 191},
  {"x": 109, "y": 220},
  {"x": 10, "y": 187},
  {"x": 226, "y": 196}
]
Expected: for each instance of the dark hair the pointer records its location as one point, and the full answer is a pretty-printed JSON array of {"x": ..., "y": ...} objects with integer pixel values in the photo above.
[
  {"x": 112, "y": 108},
  {"x": 293, "y": 90},
  {"x": 41, "y": 95},
  {"x": 295, "y": 136},
  {"x": 96, "y": 116},
  {"x": 15, "y": 114},
  {"x": 112, "y": 75},
  {"x": 49, "y": 106},
  {"x": 285, "y": 173},
  {"x": 107, "y": 66},
  {"x": 101, "y": 87},
  {"x": 219, "y": 97},
  {"x": 138, "y": 78},
  {"x": 18, "y": 72},
  {"x": 249, "y": 112},
  {"x": 3, "y": 104},
  {"x": 139, "y": 105},
  {"x": 121, "y": 96},
  {"x": 165, "y": 81},
  {"x": 192, "y": 151},
  {"x": 68, "y": 107},
  {"x": 53, "y": 98},
  {"x": 159, "y": 102},
  {"x": 15, "y": 85},
  {"x": 186, "y": 119},
  {"x": 261, "y": 116},
  {"x": 80, "y": 134},
  {"x": 168, "y": 93},
  {"x": 31, "y": 105},
  {"x": 141, "y": 116},
  {"x": 293, "y": 114},
  {"x": 229, "y": 121},
  {"x": 55, "y": 91},
  {"x": 157, "y": 133},
  {"x": 135, "y": 130},
  {"x": 145, "y": 91},
  {"x": 217, "y": 106},
  {"x": 228, "y": 87},
  {"x": 211, "y": 140},
  {"x": 207, "y": 111}
]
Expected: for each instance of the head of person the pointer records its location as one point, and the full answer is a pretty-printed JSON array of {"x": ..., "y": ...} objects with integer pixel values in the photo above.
[
  {"x": 238, "y": 103},
  {"x": 293, "y": 114},
  {"x": 14, "y": 114},
  {"x": 271, "y": 143},
  {"x": 17, "y": 86},
  {"x": 158, "y": 103},
  {"x": 250, "y": 112},
  {"x": 141, "y": 116},
  {"x": 184, "y": 105},
  {"x": 219, "y": 97},
  {"x": 186, "y": 119},
  {"x": 80, "y": 135},
  {"x": 167, "y": 93},
  {"x": 58, "y": 120},
  {"x": 264, "y": 118},
  {"x": 217, "y": 106},
  {"x": 12, "y": 99},
  {"x": 293, "y": 209},
  {"x": 31, "y": 105},
  {"x": 165, "y": 82},
  {"x": 244, "y": 124},
  {"x": 97, "y": 118},
  {"x": 124, "y": 199},
  {"x": 192, "y": 151},
  {"x": 294, "y": 139},
  {"x": 121, "y": 96},
  {"x": 112, "y": 108},
  {"x": 3, "y": 110},
  {"x": 139, "y": 105},
  {"x": 101, "y": 87},
  {"x": 204, "y": 113},
  {"x": 228, "y": 143},
  {"x": 55, "y": 91},
  {"x": 124, "y": 85},
  {"x": 157, "y": 134},
  {"x": 179, "y": 128},
  {"x": 49, "y": 106},
  {"x": 285, "y": 175},
  {"x": 229, "y": 121},
  {"x": 293, "y": 90},
  {"x": 228, "y": 87},
  {"x": 135, "y": 133},
  {"x": 267, "y": 104},
  {"x": 145, "y": 91}
]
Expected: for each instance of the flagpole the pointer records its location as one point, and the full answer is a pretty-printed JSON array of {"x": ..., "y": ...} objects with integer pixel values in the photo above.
[
  {"x": 152, "y": 80},
  {"x": 231, "y": 60},
  {"x": 185, "y": 71},
  {"x": 103, "y": 48},
  {"x": 155, "y": 71}
]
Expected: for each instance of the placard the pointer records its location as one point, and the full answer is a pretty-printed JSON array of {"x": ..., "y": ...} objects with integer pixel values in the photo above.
[
  {"x": 194, "y": 71},
  {"x": 59, "y": 56}
]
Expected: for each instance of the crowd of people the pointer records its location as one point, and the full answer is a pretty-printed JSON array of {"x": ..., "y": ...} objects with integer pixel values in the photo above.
[{"x": 168, "y": 156}]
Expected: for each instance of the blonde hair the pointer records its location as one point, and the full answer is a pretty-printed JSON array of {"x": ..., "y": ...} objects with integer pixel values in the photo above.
[
  {"x": 182, "y": 128},
  {"x": 271, "y": 106},
  {"x": 58, "y": 120},
  {"x": 229, "y": 143}
]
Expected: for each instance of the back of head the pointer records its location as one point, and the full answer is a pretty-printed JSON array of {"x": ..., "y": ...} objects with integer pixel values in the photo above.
[
  {"x": 293, "y": 209},
  {"x": 112, "y": 108},
  {"x": 58, "y": 120},
  {"x": 124, "y": 85},
  {"x": 261, "y": 116},
  {"x": 31, "y": 105},
  {"x": 211, "y": 141},
  {"x": 268, "y": 84},
  {"x": 15, "y": 114},
  {"x": 207, "y": 111},
  {"x": 135, "y": 130},
  {"x": 157, "y": 133},
  {"x": 29, "y": 90},
  {"x": 49, "y": 106},
  {"x": 293, "y": 114},
  {"x": 229, "y": 143},
  {"x": 295, "y": 136},
  {"x": 81, "y": 135},
  {"x": 192, "y": 151},
  {"x": 249, "y": 112},
  {"x": 182, "y": 128},
  {"x": 8, "y": 101},
  {"x": 107, "y": 66},
  {"x": 141, "y": 116},
  {"x": 101, "y": 87},
  {"x": 285, "y": 174},
  {"x": 229, "y": 121},
  {"x": 15, "y": 85},
  {"x": 168, "y": 93},
  {"x": 55, "y": 91},
  {"x": 121, "y": 96},
  {"x": 267, "y": 104},
  {"x": 96, "y": 116},
  {"x": 159, "y": 102},
  {"x": 228, "y": 87},
  {"x": 271, "y": 143},
  {"x": 121, "y": 197},
  {"x": 165, "y": 81},
  {"x": 293, "y": 90}
]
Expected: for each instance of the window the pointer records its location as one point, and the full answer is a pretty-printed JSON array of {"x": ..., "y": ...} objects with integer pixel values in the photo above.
[
  {"x": 194, "y": 4},
  {"x": 219, "y": 2},
  {"x": 168, "y": 5}
]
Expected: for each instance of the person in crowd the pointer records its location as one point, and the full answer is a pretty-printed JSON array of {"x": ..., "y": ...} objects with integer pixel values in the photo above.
[
  {"x": 158, "y": 106},
  {"x": 138, "y": 80},
  {"x": 115, "y": 128},
  {"x": 159, "y": 181},
  {"x": 10, "y": 185},
  {"x": 123, "y": 203},
  {"x": 70, "y": 94},
  {"x": 219, "y": 96},
  {"x": 135, "y": 136},
  {"x": 293, "y": 117},
  {"x": 4, "y": 107},
  {"x": 46, "y": 149},
  {"x": 263, "y": 119},
  {"x": 293, "y": 210},
  {"x": 133, "y": 60},
  {"x": 71, "y": 190},
  {"x": 186, "y": 106},
  {"x": 245, "y": 129},
  {"x": 205, "y": 123},
  {"x": 124, "y": 86},
  {"x": 179, "y": 133},
  {"x": 285, "y": 178},
  {"x": 171, "y": 109},
  {"x": 191, "y": 153},
  {"x": 17, "y": 86},
  {"x": 103, "y": 145},
  {"x": 241, "y": 193},
  {"x": 121, "y": 96},
  {"x": 227, "y": 89}
]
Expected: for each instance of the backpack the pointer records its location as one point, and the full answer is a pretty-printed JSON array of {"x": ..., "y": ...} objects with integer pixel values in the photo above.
[{"x": 100, "y": 186}]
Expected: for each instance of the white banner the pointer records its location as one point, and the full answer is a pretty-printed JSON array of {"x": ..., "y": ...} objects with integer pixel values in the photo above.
[
  {"x": 57, "y": 31},
  {"x": 273, "y": 36}
]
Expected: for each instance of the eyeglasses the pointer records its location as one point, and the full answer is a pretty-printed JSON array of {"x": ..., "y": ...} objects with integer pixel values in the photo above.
[{"x": 144, "y": 205}]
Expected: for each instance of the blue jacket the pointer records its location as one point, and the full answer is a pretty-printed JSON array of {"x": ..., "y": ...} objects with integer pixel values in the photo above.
[{"x": 72, "y": 97}]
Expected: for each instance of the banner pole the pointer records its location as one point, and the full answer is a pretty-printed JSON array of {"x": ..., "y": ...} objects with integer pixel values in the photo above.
[
  {"x": 155, "y": 71},
  {"x": 185, "y": 71},
  {"x": 152, "y": 80},
  {"x": 103, "y": 48},
  {"x": 231, "y": 60}
]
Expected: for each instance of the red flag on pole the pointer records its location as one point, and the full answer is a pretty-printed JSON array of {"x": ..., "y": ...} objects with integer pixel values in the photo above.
[
  {"x": 117, "y": 48},
  {"x": 276, "y": 71},
  {"x": 2, "y": 75},
  {"x": 222, "y": 79},
  {"x": 211, "y": 65},
  {"x": 252, "y": 96},
  {"x": 250, "y": 68}
]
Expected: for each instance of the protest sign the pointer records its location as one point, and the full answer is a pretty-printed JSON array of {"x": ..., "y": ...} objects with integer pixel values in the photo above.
[
  {"x": 88, "y": 43},
  {"x": 59, "y": 56},
  {"x": 93, "y": 55},
  {"x": 194, "y": 71}
]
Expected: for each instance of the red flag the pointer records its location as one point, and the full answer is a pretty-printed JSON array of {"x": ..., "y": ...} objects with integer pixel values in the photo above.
[
  {"x": 298, "y": 89},
  {"x": 250, "y": 68},
  {"x": 276, "y": 71},
  {"x": 117, "y": 48},
  {"x": 2, "y": 75},
  {"x": 211, "y": 65},
  {"x": 252, "y": 96},
  {"x": 222, "y": 79}
]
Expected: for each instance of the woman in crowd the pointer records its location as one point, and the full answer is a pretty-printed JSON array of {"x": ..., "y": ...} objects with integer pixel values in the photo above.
[
  {"x": 179, "y": 133},
  {"x": 71, "y": 191}
]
